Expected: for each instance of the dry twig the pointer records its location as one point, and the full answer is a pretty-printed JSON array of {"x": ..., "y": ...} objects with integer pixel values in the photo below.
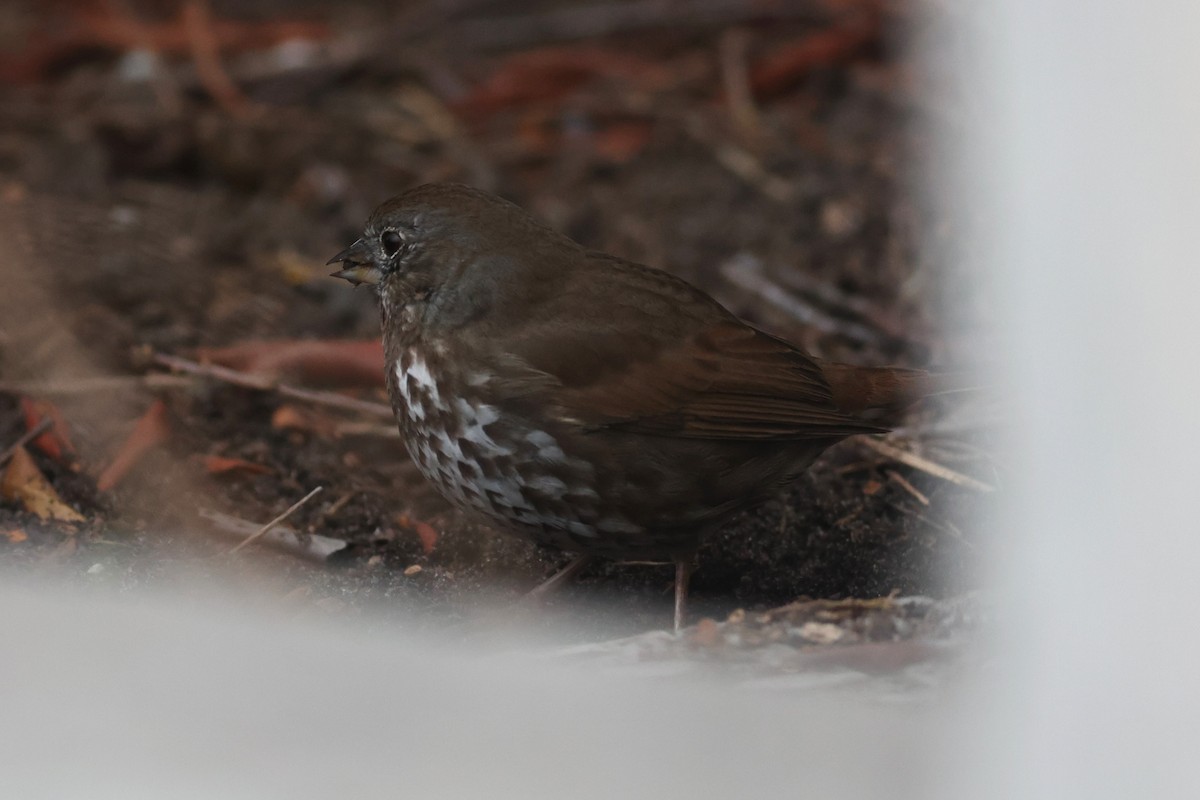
[
  {"x": 312, "y": 546},
  {"x": 265, "y": 529},
  {"x": 740, "y": 162},
  {"x": 925, "y": 465},
  {"x": 104, "y": 383},
  {"x": 735, "y": 77},
  {"x": 331, "y": 399},
  {"x": 908, "y": 487}
]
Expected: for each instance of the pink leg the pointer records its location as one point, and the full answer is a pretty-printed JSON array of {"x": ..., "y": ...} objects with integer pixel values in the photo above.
[{"x": 683, "y": 575}]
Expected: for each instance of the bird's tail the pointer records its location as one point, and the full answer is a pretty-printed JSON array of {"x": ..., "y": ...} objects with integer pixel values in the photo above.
[{"x": 888, "y": 390}]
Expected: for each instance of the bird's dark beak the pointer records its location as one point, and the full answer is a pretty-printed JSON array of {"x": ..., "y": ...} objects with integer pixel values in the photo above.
[{"x": 358, "y": 266}]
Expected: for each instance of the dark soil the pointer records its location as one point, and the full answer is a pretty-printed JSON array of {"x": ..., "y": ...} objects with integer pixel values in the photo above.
[{"x": 143, "y": 216}]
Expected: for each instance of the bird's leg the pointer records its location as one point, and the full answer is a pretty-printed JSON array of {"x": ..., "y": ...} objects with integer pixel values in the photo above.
[
  {"x": 559, "y": 579},
  {"x": 683, "y": 574}
]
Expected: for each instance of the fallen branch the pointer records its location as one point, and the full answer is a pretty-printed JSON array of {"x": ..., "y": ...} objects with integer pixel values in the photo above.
[
  {"x": 331, "y": 399},
  {"x": 265, "y": 529},
  {"x": 925, "y": 465}
]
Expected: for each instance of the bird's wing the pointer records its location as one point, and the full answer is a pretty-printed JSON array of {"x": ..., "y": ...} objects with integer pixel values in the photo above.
[{"x": 696, "y": 372}]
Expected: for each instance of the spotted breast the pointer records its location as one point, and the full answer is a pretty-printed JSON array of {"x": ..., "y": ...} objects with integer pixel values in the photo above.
[{"x": 497, "y": 463}]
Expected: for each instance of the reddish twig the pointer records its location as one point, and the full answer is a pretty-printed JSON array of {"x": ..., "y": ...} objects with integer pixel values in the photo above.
[
  {"x": 196, "y": 18},
  {"x": 792, "y": 62},
  {"x": 149, "y": 432}
]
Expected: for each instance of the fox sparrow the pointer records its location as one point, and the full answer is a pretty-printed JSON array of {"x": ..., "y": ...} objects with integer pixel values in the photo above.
[{"x": 584, "y": 401}]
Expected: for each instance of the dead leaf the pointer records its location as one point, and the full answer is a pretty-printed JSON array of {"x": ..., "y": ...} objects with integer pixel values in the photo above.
[
  {"x": 424, "y": 531},
  {"x": 221, "y": 465},
  {"x": 16, "y": 536},
  {"x": 23, "y": 482}
]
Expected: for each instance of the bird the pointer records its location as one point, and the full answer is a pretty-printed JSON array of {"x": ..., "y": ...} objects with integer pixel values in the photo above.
[{"x": 584, "y": 401}]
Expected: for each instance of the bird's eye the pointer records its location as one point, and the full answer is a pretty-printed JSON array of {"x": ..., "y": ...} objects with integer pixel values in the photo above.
[{"x": 392, "y": 242}]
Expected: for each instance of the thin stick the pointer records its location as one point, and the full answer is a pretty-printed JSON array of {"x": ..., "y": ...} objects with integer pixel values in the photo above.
[
  {"x": 908, "y": 487},
  {"x": 945, "y": 527},
  {"x": 747, "y": 272},
  {"x": 37, "y": 430},
  {"x": 558, "y": 579},
  {"x": 103, "y": 383},
  {"x": 265, "y": 528},
  {"x": 735, "y": 76},
  {"x": 740, "y": 162},
  {"x": 925, "y": 465},
  {"x": 312, "y": 546},
  {"x": 331, "y": 399}
]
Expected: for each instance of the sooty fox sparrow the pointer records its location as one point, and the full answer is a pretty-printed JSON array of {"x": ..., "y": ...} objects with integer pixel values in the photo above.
[{"x": 584, "y": 401}]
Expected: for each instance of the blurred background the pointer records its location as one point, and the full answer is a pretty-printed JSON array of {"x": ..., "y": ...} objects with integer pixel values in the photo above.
[{"x": 989, "y": 602}]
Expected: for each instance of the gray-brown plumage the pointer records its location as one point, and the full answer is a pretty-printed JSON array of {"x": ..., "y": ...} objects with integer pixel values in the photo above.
[{"x": 584, "y": 401}]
